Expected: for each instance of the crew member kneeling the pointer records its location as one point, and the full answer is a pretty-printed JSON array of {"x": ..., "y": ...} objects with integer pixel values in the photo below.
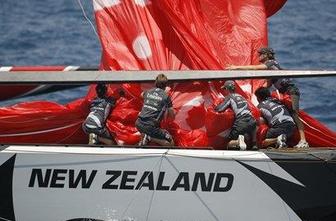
[
  {"x": 281, "y": 124},
  {"x": 95, "y": 123},
  {"x": 156, "y": 103},
  {"x": 244, "y": 125}
]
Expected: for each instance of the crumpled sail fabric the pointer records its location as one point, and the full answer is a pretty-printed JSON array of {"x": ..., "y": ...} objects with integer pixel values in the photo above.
[{"x": 164, "y": 35}]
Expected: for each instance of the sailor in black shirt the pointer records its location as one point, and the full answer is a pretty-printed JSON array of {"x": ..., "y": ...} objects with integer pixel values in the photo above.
[
  {"x": 94, "y": 125},
  {"x": 283, "y": 85},
  {"x": 244, "y": 124},
  {"x": 156, "y": 104},
  {"x": 281, "y": 124}
]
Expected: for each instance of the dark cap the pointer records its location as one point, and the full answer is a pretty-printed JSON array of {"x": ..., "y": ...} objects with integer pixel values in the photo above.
[
  {"x": 229, "y": 85},
  {"x": 262, "y": 93},
  {"x": 266, "y": 51},
  {"x": 101, "y": 89}
]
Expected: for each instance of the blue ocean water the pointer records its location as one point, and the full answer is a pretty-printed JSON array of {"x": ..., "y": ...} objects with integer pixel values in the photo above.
[{"x": 52, "y": 32}]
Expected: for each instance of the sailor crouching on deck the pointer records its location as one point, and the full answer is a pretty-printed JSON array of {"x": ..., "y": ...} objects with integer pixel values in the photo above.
[
  {"x": 281, "y": 124},
  {"x": 156, "y": 104},
  {"x": 95, "y": 123},
  {"x": 244, "y": 125}
]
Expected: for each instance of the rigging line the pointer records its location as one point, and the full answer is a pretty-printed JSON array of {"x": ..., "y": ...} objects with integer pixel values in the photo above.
[
  {"x": 152, "y": 197},
  {"x": 195, "y": 193},
  {"x": 136, "y": 193},
  {"x": 85, "y": 16},
  {"x": 76, "y": 129}
]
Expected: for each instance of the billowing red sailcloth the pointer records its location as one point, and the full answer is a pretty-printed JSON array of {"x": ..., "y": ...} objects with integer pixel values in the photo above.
[{"x": 164, "y": 35}]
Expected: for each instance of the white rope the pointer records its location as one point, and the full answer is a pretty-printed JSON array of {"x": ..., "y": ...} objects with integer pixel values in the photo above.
[{"x": 85, "y": 16}]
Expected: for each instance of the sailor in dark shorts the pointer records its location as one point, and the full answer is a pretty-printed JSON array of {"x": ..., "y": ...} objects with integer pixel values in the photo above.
[
  {"x": 156, "y": 104},
  {"x": 94, "y": 125},
  {"x": 244, "y": 123},
  {"x": 281, "y": 124},
  {"x": 283, "y": 85}
]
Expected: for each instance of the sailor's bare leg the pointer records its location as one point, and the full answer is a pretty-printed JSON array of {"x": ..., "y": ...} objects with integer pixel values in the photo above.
[
  {"x": 299, "y": 125},
  {"x": 232, "y": 145},
  {"x": 237, "y": 144},
  {"x": 269, "y": 142},
  {"x": 163, "y": 142},
  {"x": 295, "y": 106},
  {"x": 254, "y": 138},
  {"x": 106, "y": 141}
]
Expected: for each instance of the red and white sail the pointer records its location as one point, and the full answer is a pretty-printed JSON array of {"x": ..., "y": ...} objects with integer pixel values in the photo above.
[{"x": 17, "y": 90}]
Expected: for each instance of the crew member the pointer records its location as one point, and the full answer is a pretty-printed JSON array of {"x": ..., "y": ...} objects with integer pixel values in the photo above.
[
  {"x": 156, "y": 104},
  {"x": 95, "y": 123},
  {"x": 283, "y": 85},
  {"x": 244, "y": 124},
  {"x": 281, "y": 124}
]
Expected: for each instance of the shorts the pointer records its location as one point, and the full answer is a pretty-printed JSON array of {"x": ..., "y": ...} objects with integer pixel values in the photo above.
[
  {"x": 242, "y": 126},
  {"x": 284, "y": 128},
  {"x": 101, "y": 132},
  {"x": 152, "y": 131}
]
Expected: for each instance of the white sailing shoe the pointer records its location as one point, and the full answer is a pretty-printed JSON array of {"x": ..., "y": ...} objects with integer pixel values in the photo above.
[
  {"x": 241, "y": 142},
  {"x": 93, "y": 139},
  {"x": 281, "y": 141},
  {"x": 145, "y": 140},
  {"x": 302, "y": 144}
]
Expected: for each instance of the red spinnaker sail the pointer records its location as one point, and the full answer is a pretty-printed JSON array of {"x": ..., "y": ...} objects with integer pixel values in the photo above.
[
  {"x": 164, "y": 35},
  {"x": 10, "y": 91}
]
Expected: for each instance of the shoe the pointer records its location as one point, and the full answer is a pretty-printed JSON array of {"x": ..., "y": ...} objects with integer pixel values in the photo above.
[
  {"x": 302, "y": 144},
  {"x": 254, "y": 148},
  {"x": 241, "y": 142},
  {"x": 281, "y": 141},
  {"x": 93, "y": 139},
  {"x": 145, "y": 140}
]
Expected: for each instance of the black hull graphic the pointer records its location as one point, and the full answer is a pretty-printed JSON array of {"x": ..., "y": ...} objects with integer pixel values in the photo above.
[
  {"x": 6, "y": 190},
  {"x": 316, "y": 200}
]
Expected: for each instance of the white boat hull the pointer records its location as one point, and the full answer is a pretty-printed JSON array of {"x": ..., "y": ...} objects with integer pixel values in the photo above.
[{"x": 64, "y": 183}]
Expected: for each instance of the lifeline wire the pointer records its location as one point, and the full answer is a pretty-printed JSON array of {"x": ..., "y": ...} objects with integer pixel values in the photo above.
[{"x": 85, "y": 16}]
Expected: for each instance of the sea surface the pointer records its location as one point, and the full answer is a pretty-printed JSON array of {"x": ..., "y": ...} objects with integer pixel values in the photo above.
[{"x": 49, "y": 32}]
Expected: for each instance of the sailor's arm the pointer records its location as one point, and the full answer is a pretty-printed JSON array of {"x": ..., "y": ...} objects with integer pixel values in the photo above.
[
  {"x": 170, "y": 109},
  {"x": 171, "y": 113},
  {"x": 261, "y": 121},
  {"x": 248, "y": 67},
  {"x": 224, "y": 105},
  {"x": 109, "y": 106}
]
